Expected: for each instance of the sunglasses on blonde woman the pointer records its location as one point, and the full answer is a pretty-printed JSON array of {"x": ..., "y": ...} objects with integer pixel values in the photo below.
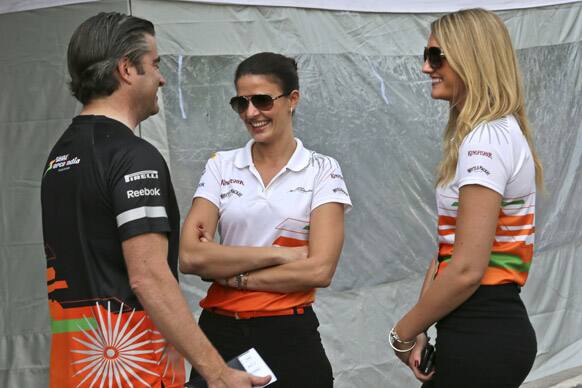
[
  {"x": 260, "y": 101},
  {"x": 435, "y": 57}
]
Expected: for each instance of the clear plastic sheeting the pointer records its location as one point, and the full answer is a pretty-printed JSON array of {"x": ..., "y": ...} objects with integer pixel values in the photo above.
[
  {"x": 364, "y": 101},
  {"x": 411, "y": 6}
]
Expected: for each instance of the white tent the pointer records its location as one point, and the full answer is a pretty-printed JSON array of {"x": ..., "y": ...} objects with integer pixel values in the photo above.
[{"x": 364, "y": 101}]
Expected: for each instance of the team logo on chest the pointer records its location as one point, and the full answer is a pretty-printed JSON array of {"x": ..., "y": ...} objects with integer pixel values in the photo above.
[
  {"x": 62, "y": 163},
  {"x": 230, "y": 193},
  {"x": 231, "y": 181}
]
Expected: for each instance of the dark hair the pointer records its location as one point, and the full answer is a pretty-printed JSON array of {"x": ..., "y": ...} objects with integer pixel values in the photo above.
[
  {"x": 96, "y": 47},
  {"x": 283, "y": 69}
]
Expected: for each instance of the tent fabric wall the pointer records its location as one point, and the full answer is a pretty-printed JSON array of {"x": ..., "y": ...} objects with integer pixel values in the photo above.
[
  {"x": 392, "y": 6},
  {"x": 364, "y": 101}
]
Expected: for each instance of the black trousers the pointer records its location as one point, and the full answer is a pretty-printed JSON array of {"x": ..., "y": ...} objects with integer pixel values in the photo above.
[
  {"x": 486, "y": 342},
  {"x": 289, "y": 344}
]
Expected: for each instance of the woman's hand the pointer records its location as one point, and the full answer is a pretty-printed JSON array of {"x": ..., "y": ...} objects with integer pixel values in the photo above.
[
  {"x": 416, "y": 356},
  {"x": 203, "y": 235},
  {"x": 287, "y": 254},
  {"x": 403, "y": 356}
]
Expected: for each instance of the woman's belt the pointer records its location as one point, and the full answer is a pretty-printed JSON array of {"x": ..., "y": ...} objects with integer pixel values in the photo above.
[{"x": 298, "y": 310}]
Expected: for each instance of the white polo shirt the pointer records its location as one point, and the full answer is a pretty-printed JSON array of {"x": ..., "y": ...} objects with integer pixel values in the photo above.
[
  {"x": 251, "y": 214},
  {"x": 495, "y": 155}
]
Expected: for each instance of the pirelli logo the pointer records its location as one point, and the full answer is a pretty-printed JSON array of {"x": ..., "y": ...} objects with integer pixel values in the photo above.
[{"x": 136, "y": 176}]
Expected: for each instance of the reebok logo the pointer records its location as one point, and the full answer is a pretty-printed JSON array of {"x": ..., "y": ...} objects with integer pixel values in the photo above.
[
  {"x": 145, "y": 192},
  {"x": 136, "y": 176}
]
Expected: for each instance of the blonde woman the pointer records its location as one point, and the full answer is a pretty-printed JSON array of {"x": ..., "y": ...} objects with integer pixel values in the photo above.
[{"x": 486, "y": 188}]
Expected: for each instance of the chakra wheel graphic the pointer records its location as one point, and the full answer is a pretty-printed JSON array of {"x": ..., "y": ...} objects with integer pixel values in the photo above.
[
  {"x": 169, "y": 357},
  {"x": 115, "y": 352}
]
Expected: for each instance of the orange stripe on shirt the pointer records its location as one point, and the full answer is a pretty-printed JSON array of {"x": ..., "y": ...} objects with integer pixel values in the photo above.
[
  {"x": 508, "y": 220},
  {"x": 235, "y": 300},
  {"x": 447, "y": 220},
  {"x": 445, "y": 250},
  {"x": 57, "y": 286},
  {"x": 289, "y": 242},
  {"x": 519, "y": 248},
  {"x": 446, "y": 232},
  {"x": 495, "y": 275}
]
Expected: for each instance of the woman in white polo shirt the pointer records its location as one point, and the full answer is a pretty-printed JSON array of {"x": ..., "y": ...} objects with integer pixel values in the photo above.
[{"x": 279, "y": 209}]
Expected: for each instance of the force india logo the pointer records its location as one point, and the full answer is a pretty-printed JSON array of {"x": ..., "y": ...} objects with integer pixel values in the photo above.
[{"x": 61, "y": 163}]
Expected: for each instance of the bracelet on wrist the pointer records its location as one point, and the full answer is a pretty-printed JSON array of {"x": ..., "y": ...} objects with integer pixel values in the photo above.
[
  {"x": 245, "y": 280},
  {"x": 394, "y": 339},
  {"x": 241, "y": 280}
]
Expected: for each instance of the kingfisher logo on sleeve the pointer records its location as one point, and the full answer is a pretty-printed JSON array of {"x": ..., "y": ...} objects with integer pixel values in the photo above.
[{"x": 486, "y": 154}]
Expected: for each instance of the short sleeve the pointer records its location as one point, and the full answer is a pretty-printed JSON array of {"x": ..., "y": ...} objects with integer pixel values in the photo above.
[
  {"x": 209, "y": 185},
  {"x": 329, "y": 185},
  {"x": 140, "y": 190},
  {"x": 486, "y": 157}
]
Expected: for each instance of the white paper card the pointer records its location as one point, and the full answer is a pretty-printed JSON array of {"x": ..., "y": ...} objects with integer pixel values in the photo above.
[{"x": 255, "y": 365}]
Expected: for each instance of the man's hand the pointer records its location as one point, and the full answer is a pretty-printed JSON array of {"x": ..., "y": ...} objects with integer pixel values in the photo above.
[{"x": 232, "y": 378}]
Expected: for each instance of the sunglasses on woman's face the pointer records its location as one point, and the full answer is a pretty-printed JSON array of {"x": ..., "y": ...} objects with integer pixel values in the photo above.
[
  {"x": 260, "y": 101},
  {"x": 435, "y": 57}
]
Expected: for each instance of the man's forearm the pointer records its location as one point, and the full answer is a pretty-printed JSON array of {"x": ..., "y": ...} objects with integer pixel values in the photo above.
[{"x": 163, "y": 301}]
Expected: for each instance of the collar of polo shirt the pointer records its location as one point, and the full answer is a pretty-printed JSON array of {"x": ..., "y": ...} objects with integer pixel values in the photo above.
[{"x": 299, "y": 160}]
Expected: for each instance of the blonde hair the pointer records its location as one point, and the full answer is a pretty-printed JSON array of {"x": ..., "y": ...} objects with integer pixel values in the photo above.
[{"x": 478, "y": 48}]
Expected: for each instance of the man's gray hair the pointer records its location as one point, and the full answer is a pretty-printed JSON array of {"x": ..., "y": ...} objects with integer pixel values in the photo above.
[{"x": 96, "y": 47}]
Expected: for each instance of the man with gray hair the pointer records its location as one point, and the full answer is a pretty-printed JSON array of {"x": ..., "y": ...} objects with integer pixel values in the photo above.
[{"x": 111, "y": 228}]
